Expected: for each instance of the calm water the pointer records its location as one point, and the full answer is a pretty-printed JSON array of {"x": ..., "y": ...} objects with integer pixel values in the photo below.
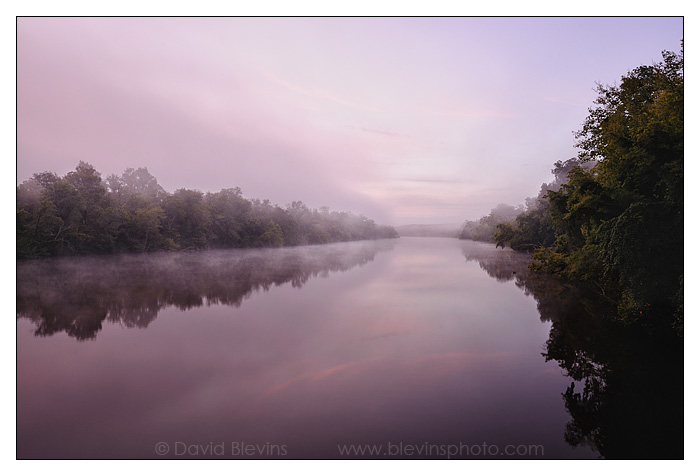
[{"x": 410, "y": 345}]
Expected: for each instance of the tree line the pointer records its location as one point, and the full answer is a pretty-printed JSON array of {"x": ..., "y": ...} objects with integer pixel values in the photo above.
[
  {"x": 81, "y": 213},
  {"x": 613, "y": 216}
]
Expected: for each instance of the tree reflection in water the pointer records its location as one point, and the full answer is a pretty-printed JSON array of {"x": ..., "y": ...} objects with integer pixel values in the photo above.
[
  {"x": 626, "y": 400},
  {"x": 76, "y": 295}
]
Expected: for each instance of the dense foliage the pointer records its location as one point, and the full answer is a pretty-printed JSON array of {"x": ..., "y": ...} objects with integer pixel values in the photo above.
[
  {"x": 82, "y": 214},
  {"x": 524, "y": 227},
  {"x": 484, "y": 228},
  {"x": 617, "y": 220}
]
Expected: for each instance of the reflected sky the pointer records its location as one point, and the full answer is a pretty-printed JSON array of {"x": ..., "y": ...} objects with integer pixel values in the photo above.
[{"x": 412, "y": 343}]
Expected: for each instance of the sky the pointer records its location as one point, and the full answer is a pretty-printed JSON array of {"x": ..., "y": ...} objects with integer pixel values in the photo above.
[{"x": 405, "y": 120}]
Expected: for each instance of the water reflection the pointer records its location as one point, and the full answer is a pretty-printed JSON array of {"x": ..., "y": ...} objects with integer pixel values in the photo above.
[
  {"x": 627, "y": 398},
  {"x": 417, "y": 347},
  {"x": 76, "y": 295}
]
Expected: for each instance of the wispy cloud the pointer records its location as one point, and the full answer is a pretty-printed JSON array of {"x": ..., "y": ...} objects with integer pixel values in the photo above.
[
  {"x": 385, "y": 132},
  {"x": 436, "y": 180},
  {"x": 476, "y": 113},
  {"x": 321, "y": 94},
  {"x": 562, "y": 101}
]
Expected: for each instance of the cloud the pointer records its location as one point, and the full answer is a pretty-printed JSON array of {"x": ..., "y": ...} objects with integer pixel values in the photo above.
[
  {"x": 318, "y": 93},
  {"x": 476, "y": 113},
  {"x": 564, "y": 102},
  {"x": 385, "y": 132},
  {"x": 437, "y": 180}
]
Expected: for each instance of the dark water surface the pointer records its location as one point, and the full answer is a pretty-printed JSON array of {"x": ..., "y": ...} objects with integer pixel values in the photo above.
[{"x": 412, "y": 347}]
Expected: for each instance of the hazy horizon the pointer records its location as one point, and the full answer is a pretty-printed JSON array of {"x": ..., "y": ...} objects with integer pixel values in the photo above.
[{"x": 405, "y": 120}]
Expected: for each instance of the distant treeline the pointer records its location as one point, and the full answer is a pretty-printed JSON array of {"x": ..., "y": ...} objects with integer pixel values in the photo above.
[
  {"x": 80, "y": 213},
  {"x": 613, "y": 215},
  {"x": 532, "y": 220}
]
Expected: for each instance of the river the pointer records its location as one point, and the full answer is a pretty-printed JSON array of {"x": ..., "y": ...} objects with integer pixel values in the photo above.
[{"x": 405, "y": 348}]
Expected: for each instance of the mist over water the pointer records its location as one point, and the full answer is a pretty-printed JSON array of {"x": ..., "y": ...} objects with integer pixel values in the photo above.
[
  {"x": 77, "y": 295},
  {"x": 412, "y": 341}
]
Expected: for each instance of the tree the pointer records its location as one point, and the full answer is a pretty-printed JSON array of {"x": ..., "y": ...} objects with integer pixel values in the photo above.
[
  {"x": 135, "y": 187},
  {"x": 187, "y": 219},
  {"x": 635, "y": 132},
  {"x": 485, "y": 228},
  {"x": 622, "y": 220},
  {"x": 142, "y": 230},
  {"x": 272, "y": 236},
  {"x": 614, "y": 215},
  {"x": 229, "y": 213},
  {"x": 86, "y": 221},
  {"x": 81, "y": 213}
]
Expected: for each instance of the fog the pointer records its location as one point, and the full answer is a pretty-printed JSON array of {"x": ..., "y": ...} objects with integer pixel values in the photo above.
[
  {"x": 76, "y": 295},
  {"x": 447, "y": 230},
  {"x": 406, "y": 120}
]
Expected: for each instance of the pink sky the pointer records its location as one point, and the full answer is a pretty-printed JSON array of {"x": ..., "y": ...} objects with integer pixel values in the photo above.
[{"x": 410, "y": 120}]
